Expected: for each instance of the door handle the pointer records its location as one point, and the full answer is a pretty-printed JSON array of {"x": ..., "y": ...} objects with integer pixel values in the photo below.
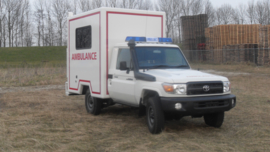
[{"x": 130, "y": 79}]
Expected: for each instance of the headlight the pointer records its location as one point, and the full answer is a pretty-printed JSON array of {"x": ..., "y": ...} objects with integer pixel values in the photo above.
[
  {"x": 226, "y": 86},
  {"x": 175, "y": 88}
]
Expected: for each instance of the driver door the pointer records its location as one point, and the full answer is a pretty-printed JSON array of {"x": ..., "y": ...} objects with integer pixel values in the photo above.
[{"x": 122, "y": 84}]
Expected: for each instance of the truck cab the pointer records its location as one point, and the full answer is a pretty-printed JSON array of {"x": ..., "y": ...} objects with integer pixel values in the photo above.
[{"x": 155, "y": 76}]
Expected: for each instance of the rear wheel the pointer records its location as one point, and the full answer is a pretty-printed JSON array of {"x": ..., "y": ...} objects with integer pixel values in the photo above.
[
  {"x": 214, "y": 119},
  {"x": 155, "y": 115},
  {"x": 92, "y": 105}
]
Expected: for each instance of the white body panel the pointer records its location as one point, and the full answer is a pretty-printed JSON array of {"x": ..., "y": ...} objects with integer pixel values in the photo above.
[
  {"x": 121, "y": 92},
  {"x": 109, "y": 27}
]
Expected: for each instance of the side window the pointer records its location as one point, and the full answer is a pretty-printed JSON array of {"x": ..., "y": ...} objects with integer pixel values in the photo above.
[
  {"x": 123, "y": 55},
  {"x": 84, "y": 38}
]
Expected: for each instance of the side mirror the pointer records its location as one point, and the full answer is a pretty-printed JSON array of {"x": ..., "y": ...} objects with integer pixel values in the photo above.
[{"x": 123, "y": 66}]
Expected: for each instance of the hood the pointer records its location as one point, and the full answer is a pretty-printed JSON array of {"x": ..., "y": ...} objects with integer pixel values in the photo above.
[{"x": 183, "y": 75}]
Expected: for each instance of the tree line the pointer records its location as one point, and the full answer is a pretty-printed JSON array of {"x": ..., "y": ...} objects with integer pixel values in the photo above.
[{"x": 44, "y": 23}]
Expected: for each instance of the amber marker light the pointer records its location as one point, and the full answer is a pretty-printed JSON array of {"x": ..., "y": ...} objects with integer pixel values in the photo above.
[{"x": 168, "y": 88}]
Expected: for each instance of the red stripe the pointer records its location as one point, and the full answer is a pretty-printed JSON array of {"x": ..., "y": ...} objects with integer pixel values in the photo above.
[{"x": 107, "y": 47}]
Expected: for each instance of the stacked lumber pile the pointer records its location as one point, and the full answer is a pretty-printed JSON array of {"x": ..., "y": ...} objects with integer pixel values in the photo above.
[
  {"x": 240, "y": 53},
  {"x": 218, "y": 36},
  {"x": 263, "y": 54},
  {"x": 239, "y": 43},
  {"x": 193, "y": 30}
]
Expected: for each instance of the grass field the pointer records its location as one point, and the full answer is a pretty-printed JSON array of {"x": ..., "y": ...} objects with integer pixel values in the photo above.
[
  {"x": 46, "y": 120},
  {"x": 49, "y": 121},
  {"x": 32, "y": 56}
]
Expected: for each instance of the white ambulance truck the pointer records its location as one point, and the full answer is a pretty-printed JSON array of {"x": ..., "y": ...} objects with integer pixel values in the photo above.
[{"x": 121, "y": 56}]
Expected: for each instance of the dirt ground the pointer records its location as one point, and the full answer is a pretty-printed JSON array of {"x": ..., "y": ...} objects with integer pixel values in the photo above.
[{"x": 42, "y": 118}]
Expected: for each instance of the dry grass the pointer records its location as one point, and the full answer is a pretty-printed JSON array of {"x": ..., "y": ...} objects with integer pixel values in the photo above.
[
  {"x": 50, "y": 121},
  {"x": 233, "y": 68},
  {"x": 29, "y": 76}
]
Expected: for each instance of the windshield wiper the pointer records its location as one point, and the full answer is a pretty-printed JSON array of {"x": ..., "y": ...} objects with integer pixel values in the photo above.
[
  {"x": 181, "y": 66},
  {"x": 160, "y": 66},
  {"x": 165, "y": 66}
]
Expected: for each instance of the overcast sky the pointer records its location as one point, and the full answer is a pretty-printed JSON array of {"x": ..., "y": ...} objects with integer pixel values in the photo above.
[
  {"x": 233, "y": 3},
  {"x": 217, "y": 3}
]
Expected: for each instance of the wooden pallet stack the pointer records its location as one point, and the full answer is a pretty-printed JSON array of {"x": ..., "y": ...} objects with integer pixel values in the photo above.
[
  {"x": 193, "y": 30},
  {"x": 240, "y": 53},
  {"x": 229, "y": 53},
  {"x": 263, "y": 54},
  {"x": 241, "y": 41},
  {"x": 232, "y": 35}
]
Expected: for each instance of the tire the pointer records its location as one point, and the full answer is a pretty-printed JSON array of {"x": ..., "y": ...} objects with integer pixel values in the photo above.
[
  {"x": 92, "y": 105},
  {"x": 154, "y": 115},
  {"x": 214, "y": 119}
]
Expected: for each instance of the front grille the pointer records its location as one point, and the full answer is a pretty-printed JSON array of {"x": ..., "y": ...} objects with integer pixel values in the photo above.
[
  {"x": 211, "y": 104},
  {"x": 197, "y": 88}
]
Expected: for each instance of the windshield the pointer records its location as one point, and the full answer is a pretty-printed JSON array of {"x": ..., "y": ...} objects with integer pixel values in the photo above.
[{"x": 160, "y": 57}]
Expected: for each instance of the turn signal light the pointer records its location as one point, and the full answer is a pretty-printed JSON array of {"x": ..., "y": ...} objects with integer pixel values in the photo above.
[{"x": 168, "y": 88}]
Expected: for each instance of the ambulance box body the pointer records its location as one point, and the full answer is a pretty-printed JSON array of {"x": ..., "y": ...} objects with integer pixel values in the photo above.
[{"x": 91, "y": 38}]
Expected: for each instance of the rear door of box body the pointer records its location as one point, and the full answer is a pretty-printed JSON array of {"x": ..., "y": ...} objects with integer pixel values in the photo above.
[{"x": 84, "y": 65}]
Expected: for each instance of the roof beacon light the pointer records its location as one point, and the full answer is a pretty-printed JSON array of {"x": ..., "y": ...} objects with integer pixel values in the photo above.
[
  {"x": 152, "y": 39},
  {"x": 136, "y": 39},
  {"x": 149, "y": 39},
  {"x": 165, "y": 40}
]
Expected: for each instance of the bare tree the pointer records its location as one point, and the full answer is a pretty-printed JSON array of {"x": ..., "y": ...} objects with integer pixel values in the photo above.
[
  {"x": 186, "y": 6},
  {"x": 25, "y": 7},
  {"x": 74, "y": 6},
  {"x": 171, "y": 7},
  {"x": 2, "y": 17},
  {"x": 236, "y": 17},
  {"x": 60, "y": 9},
  {"x": 28, "y": 37},
  {"x": 241, "y": 13},
  {"x": 85, "y": 5},
  {"x": 224, "y": 14},
  {"x": 112, "y": 3},
  {"x": 97, "y": 3},
  {"x": 131, "y": 4},
  {"x": 210, "y": 11},
  {"x": 50, "y": 32},
  {"x": 40, "y": 17},
  {"x": 197, "y": 7},
  {"x": 250, "y": 12},
  {"x": 260, "y": 12},
  {"x": 144, "y": 4},
  {"x": 12, "y": 11}
]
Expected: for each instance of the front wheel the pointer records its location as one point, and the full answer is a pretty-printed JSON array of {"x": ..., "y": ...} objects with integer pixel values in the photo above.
[
  {"x": 155, "y": 115},
  {"x": 214, "y": 119},
  {"x": 92, "y": 105}
]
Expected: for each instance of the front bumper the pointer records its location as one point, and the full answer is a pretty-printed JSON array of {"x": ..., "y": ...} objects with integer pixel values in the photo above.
[{"x": 199, "y": 105}]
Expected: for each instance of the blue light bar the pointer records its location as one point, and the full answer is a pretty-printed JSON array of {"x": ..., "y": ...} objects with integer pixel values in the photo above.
[
  {"x": 152, "y": 39},
  {"x": 136, "y": 39},
  {"x": 165, "y": 40},
  {"x": 149, "y": 39}
]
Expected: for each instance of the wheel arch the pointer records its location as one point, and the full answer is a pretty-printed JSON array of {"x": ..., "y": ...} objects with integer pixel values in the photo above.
[
  {"x": 84, "y": 88},
  {"x": 146, "y": 94}
]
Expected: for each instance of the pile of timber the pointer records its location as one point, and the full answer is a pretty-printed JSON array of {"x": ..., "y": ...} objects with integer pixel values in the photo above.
[
  {"x": 239, "y": 41},
  {"x": 240, "y": 53},
  {"x": 264, "y": 48},
  {"x": 221, "y": 35},
  {"x": 193, "y": 30}
]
